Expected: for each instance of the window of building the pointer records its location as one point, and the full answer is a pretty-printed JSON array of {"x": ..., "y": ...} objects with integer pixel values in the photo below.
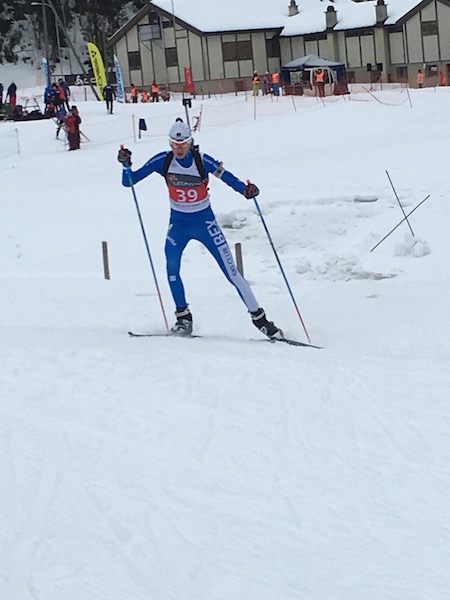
[
  {"x": 229, "y": 51},
  {"x": 152, "y": 30},
  {"x": 402, "y": 73},
  {"x": 171, "y": 57},
  {"x": 167, "y": 24},
  {"x": 273, "y": 48},
  {"x": 431, "y": 71},
  {"x": 358, "y": 32},
  {"x": 149, "y": 32},
  {"x": 134, "y": 61},
  {"x": 429, "y": 28},
  {"x": 245, "y": 50},
  {"x": 237, "y": 50},
  {"x": 315, "y": 37}
]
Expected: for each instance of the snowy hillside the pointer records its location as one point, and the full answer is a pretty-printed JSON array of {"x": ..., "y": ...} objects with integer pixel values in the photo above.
[{"x": 226, "y": 467}]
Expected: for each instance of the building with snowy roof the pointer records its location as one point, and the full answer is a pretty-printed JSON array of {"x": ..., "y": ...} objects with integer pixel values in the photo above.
[{"x": 225, "y": 42}]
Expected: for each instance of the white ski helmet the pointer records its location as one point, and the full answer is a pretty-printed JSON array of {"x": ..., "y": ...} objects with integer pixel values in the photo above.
[{"x": 179, "y": 132}]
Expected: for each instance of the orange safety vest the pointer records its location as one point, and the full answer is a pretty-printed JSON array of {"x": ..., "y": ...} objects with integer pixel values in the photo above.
[
  {"x": 320, "y": 77},
  {"x": 155, "y": 88},
  {"x": 134, "y": 91},
  {"x": 420, "y": 77},
  {"x": 276, "y": 78}
]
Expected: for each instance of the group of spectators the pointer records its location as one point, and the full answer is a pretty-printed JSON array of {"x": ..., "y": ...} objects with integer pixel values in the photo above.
[
  {"x": 57, "y": 106},
  {"x": 269, "y": 83},
  {"x": 56, "y": 96},
  {"x": 56, "y": 100},
  {"x": 153, "y": 95},
  {"x": 109, "y": 95}
]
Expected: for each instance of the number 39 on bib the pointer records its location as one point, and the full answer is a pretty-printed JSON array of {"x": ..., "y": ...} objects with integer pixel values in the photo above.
[{"x": 188, "y": 194}]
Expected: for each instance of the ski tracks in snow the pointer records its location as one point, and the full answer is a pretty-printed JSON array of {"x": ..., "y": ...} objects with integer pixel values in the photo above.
[{"x": 159, "y": 484}]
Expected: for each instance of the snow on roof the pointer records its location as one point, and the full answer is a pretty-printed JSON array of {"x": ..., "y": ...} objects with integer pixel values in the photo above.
[
  {"x": 311, "y": 60},
  {"x": 210, "y": 16},
  {"x": 228, "y": 15},
  {"x": 398, "y": 9}
]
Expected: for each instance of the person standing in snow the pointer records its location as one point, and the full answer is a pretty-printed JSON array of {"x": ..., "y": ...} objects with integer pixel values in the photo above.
[
  {"x": 47, "y": 97},
  {"x": 276, "y": 83},
  {"x": 134, "y": 94},
  {"x": 58, "y": 96},
  {"x": 319, "y": 83},
  {"x": 420, "y": 78},
  {"x": 12, "y": 95},
  {"x": 267, "y": 84},
  {"x": 66, "y": 89},
  {"x": 110, "y": 95},
  {"x": 186, "y": 172},
  {"x": 61, "y": 116},
  {"x": 154, "y": 91},
  {"x": 73, "y": 122},
  {"x": 255, "y": 83}
]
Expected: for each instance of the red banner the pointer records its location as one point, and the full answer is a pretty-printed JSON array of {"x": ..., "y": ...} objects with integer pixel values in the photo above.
[{"x": 188, "y": 81}]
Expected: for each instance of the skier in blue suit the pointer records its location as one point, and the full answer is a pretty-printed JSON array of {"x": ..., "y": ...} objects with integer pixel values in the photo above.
[{"x": 191, "y": 218}]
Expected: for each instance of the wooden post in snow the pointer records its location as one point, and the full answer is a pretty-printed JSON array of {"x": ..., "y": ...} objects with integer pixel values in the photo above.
[
  {"x": 239, "y": 263},
  {"x": 105, "y": 260}
]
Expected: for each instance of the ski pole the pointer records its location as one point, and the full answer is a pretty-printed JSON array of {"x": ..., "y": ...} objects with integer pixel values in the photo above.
[
  {"x": 85, "y": 136},
  {"x": 281, "y": 267},
  {"x": 147, "y": 246}
]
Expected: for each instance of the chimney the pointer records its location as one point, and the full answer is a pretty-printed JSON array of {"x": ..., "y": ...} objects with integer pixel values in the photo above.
[
  {"x": 381, "y": 12},
  {"x": 293, "y": 8},
  {"x": 331, "y": 17}
]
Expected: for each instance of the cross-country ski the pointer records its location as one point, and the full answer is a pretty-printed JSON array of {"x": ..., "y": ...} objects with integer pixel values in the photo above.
[{"x": 206, "y": 337}]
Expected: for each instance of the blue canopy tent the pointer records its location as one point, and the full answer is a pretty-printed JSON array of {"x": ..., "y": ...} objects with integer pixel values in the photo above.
[{"x": 298, "y": 75}]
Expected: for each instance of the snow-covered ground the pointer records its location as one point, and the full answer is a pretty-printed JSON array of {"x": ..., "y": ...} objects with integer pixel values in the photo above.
[{"x": 227, "y": 468}]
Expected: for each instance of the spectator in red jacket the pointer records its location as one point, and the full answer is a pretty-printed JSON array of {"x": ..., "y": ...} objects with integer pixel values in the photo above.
[{"x": 73, "y": 121}]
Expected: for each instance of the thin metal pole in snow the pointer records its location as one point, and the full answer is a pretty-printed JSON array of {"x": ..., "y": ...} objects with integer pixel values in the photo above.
[
  {"x": 409, "y": 97},
  {"x": 400, "y": 204},
  {"x": 293, "y": 102},
  {"x": 398, "y": 224},
  {"x": 18, "y": 143}
]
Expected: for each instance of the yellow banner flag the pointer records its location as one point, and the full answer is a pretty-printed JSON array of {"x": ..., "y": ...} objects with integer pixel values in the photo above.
[{"x": 98, "y": 67}]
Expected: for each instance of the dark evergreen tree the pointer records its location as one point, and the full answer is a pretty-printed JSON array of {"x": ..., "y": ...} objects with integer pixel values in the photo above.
[{"x": 99, "y": 20}]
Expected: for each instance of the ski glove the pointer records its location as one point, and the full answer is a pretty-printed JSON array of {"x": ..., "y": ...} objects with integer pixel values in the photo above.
[
  {"x": 124, "y": 157},
  {"x": 251, "y": 190}
]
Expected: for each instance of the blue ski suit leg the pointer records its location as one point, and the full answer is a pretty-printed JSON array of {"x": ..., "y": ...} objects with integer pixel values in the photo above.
[{"x": 201, "y": 226}]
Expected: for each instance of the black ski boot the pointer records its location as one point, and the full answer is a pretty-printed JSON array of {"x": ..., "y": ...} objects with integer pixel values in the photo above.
[
  {"x": 267, "y": 327},
  {"x": 183, "y": 326}
]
